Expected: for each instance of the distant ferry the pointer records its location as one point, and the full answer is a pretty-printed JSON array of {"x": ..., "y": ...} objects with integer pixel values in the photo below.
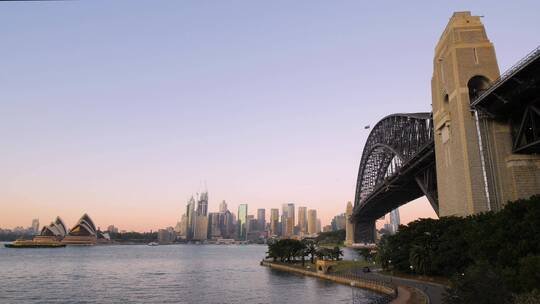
[
  {"x": 153, "y": 244},
  {"x": 33, "y": 244}
]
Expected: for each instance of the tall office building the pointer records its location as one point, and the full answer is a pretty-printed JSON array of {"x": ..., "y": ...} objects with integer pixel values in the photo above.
[
  {"x": 35, "y": 225},
  {"x": 251, "y": 224},
  {"x": 274, "y": 221},
  {"x": 202, "y": 204},
  {"x": 261, "y": 219},
  {"x": 338, "y": 222},
  {"x": 242, "y": 221},
  {"x": 190, "y": 214},
  {"x": 312, "y": 221},
  {"x": 200, "y": 227},
  {"x": 302, "y": 220},
  {"x": 394, "y": 220},
  {"x": 319, "y": 225},
  {"x": 228, "y": 226},
  {"x": 215, "y": 222},
  {"x": 182, "y": 230},
  {"x": 287, "y": 220},
  {"x": 223, "y": 207}
]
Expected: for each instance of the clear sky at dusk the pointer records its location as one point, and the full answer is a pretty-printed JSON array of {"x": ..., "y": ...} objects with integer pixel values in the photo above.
[{"x": 122, "y": 108}]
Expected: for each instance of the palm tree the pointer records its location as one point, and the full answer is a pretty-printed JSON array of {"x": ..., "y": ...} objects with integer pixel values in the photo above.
[
  {"x": 420, "y": 258},
  {"x": 311, "y": 249},
  {"x": 337, "y": 253},
  {"x": 323, "y": 253}
]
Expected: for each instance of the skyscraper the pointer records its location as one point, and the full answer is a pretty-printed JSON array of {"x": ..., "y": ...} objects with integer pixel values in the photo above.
[
  {"x": 200, "y": 227},
  {"x": 338, "y": 222},
  {"x": 223, "y": 207},
  {"x": 274, "y": 221},
  {"x": 190, "y": 214},
  {"x": 202, "y": 204},
  {"x": 287, "y": 220},
  {"x": 214, "y": 223},
  {"x": 302, "y": 220},
  {"x": 227, "y": 228},
  {"x": 183, "y": 227},
  {"x": 242, "y": 221},
  {"x": 251, "y": 224},
  {"x": 394, "y": 220},
  {"x": 312, "y": 221},
  {"x": 261, "y": 219}
]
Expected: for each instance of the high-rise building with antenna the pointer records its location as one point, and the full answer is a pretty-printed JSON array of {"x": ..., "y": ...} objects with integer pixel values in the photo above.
[{"x": 202, "y": 204}]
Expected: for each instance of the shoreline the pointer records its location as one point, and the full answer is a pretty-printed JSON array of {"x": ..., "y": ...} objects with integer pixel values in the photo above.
[{"x": 378, "y": 287}]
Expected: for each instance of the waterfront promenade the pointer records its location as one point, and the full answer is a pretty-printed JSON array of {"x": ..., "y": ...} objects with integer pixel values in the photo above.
[
  {"x": 433, "y": 291},
  {"x": 394, "y": 291}
]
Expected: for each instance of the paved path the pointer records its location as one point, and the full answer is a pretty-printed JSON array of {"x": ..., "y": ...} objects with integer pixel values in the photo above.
[
  {"x": 433, "y": 290},
  {"x": 403, "y": 296}
]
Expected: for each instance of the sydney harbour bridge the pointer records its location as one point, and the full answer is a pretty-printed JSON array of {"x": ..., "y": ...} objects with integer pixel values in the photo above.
[{"x": 476, "y": 150}]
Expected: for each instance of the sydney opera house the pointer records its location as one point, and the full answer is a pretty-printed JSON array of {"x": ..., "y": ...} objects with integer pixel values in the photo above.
[{"x": 83, "y": 233}]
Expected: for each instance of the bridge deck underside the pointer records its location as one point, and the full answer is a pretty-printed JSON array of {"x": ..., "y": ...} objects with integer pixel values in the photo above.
[
  {"x": 396, "y": 190},
  {"x": 515, "y": 97},
  {"x": 514, "y": 91}
]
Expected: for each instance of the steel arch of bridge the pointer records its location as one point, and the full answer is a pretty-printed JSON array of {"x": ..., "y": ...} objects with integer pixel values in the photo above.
[{"x": 397, "y": 165}]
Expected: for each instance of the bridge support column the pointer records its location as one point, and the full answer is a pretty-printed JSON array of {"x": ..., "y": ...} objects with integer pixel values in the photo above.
[
  {"x": 364, "y": 231},
  {"x": 463, "y": 67}
]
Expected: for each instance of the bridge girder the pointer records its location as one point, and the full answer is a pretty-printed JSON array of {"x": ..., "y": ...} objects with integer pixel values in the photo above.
[{"x": 397, "y": 166}]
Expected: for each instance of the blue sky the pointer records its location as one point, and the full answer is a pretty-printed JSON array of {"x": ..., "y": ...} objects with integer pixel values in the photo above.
[{"x": 108, "y": 106}]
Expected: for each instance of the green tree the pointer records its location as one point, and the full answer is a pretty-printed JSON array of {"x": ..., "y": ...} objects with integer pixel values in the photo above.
[
  {"x": 532, "y": 297},
  {"x": 366, "y": 253},
  {"x": 324, "y": 253},
  {"x": 286, "y": 250},
  {"x": 337, "y": 253},
  {"x": 311, "y": 249},
  {"x": 479, "y": 284}
]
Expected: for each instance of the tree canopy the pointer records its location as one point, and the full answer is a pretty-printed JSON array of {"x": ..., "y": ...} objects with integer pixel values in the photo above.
[{"x": 500, "y": 249}]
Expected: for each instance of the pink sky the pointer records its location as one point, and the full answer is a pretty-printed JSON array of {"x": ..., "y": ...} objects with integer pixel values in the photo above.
[{"x": 121, "y": 113}]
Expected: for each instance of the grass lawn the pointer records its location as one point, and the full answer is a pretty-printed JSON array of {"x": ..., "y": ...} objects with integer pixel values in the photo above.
[
  {"x": 331, "y": 245},
  {"x": 350, "y": 265}
]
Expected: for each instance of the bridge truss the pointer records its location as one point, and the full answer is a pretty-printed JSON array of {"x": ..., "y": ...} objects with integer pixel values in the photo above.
[{"x": 397, "y": 166}]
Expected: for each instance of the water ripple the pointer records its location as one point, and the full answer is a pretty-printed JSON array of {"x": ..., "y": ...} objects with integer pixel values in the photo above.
[{"x": 163, "y": 274}]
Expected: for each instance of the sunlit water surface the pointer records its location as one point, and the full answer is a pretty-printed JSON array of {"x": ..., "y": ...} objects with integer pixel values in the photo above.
[{"x": 161, "y": 274}]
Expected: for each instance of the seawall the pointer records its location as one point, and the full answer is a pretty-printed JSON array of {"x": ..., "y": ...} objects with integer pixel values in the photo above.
[{"x": 379, "y": 287}]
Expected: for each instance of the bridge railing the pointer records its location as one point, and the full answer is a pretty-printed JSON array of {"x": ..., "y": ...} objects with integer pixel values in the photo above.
[{"x": 531, "y": 56}]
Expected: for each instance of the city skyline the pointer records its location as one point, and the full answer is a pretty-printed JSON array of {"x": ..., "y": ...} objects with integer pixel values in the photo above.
[
  {"x": 209, "y": 208},
  {"x": 127, "y": 116}
]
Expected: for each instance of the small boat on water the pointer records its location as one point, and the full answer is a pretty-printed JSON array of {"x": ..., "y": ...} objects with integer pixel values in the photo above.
[
  {"x": 34, "y": 244},
  {"x": 153, "y": 244}
]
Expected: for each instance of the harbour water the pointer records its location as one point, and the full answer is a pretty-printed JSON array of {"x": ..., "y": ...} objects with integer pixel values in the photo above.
[{"x": 160, "y": 274}]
